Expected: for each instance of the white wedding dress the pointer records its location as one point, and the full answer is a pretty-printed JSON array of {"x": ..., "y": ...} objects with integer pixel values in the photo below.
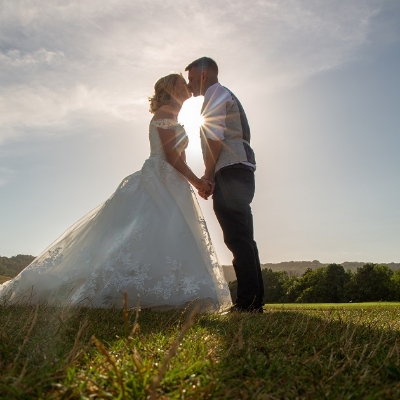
[{"x": 149, "y": 239}]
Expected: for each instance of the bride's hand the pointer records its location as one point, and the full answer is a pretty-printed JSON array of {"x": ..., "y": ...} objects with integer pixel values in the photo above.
[
  {"x": 204, "y": 188},
  {"x": 203, "y": 185},
  {"x": 212, "y": 184}
]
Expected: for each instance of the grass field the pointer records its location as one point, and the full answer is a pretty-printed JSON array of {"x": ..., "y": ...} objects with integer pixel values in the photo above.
[
  {"x": 340, "y": 351},
  {"x": 311, "y": 306}
]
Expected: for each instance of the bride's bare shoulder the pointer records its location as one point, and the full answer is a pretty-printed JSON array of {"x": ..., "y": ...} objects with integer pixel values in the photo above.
[{"x": 164, "y": 112}]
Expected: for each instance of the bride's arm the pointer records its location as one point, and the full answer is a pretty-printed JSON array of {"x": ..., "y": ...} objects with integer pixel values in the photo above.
[
  {"x": 183, "y": 156},
  {"x": 168, "y": 140},
  {"x": 167, "y": 137}
]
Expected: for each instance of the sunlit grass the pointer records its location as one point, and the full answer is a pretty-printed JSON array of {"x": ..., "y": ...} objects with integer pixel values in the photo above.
[
  {"x": 288, "y": 306},
  {"x": 303, "y": 352}
]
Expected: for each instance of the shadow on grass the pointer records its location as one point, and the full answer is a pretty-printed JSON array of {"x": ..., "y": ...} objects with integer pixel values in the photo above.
[
  {"x": 323, "y": 353},
  {"x": 48, "y": 352}
]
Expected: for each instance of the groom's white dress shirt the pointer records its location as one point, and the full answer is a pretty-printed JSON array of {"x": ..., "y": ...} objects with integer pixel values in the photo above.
[{"x": 218, "y": 102}]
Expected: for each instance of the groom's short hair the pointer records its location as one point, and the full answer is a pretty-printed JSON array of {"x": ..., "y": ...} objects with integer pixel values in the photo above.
[{"x": 203, "y": 63}]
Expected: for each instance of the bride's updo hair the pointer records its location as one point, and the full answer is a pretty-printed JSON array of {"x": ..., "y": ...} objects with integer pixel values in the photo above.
[{"x": 163, "y": 90}]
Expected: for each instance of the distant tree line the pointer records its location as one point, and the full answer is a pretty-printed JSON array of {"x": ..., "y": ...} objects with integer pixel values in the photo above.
[
  {"x": 331, "y": 284},
  {"x": 300, "y": 267},
  {"x": 328, "y": 284},
  {"x": 12, "y": 266}
]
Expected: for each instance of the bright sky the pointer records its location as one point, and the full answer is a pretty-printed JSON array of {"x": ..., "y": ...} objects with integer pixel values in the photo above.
[{"x": 319, "y": 80}]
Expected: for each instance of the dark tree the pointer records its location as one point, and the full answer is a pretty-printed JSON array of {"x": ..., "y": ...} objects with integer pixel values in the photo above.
[
  {"x": 372, "y": 282},
  {"x": 395, "y": 285},
  {"x": 12, "y": 266},
  {"x": 274, "y": 291},
  {"x": 335, "y": 281},
  {"x": 312, "y": 285}
]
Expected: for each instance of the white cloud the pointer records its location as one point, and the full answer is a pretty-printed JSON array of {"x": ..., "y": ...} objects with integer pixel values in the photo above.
[
  {"x": 285, "y": 42},
  {"x": 14, "y": 58},
  {"x": 26, "y": 108},
  {"x": 65, "y": 56}
]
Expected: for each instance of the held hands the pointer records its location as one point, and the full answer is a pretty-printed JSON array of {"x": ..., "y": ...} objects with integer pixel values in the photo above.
[{"x": 207, "y": 189}]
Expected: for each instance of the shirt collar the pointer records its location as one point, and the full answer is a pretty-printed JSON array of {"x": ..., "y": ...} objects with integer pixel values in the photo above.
[{"x": 212, "y": 87}]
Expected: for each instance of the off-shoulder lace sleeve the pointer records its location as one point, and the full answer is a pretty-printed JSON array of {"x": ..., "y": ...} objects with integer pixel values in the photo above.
[{"x": 164, "y": 123}]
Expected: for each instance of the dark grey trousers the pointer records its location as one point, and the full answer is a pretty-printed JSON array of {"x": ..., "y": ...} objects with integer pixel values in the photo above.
[{"x": 234, "y": 191}]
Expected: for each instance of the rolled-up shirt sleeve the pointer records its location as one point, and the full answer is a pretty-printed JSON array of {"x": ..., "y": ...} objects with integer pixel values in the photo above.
[{"x": 216, "y": 101}]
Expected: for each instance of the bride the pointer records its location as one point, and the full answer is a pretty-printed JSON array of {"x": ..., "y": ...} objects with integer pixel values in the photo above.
[{"x": 149, "y": 239}]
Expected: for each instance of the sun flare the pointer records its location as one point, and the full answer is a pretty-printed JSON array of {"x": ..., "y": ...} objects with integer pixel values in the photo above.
[{"x": 190, "y": 115}]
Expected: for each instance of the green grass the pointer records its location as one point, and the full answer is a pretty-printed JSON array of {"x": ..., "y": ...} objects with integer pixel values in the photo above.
[
  {"x": 290, "y": 352},
  {"x": 291, "y": 306}
]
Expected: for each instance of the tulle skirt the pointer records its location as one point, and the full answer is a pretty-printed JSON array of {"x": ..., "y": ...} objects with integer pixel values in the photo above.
[{"x": 148, "y": 241}]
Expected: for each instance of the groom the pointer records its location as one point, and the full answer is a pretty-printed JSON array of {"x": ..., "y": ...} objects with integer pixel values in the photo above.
[{"x": 229, "y": 166}]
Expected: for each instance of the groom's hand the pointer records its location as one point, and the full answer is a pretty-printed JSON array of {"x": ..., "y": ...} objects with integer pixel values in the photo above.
[
  {"x": 211, "y": 181},
  {"x": 204, "y": 189},
  {"x": 202, "y": 195}
]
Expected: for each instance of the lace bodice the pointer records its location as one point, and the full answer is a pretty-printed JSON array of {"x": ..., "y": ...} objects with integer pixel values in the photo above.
[{"x": 156, "y": 147}]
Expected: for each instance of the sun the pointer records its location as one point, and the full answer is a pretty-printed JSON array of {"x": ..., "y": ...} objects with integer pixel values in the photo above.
[{"x": 190, "y": 115}]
